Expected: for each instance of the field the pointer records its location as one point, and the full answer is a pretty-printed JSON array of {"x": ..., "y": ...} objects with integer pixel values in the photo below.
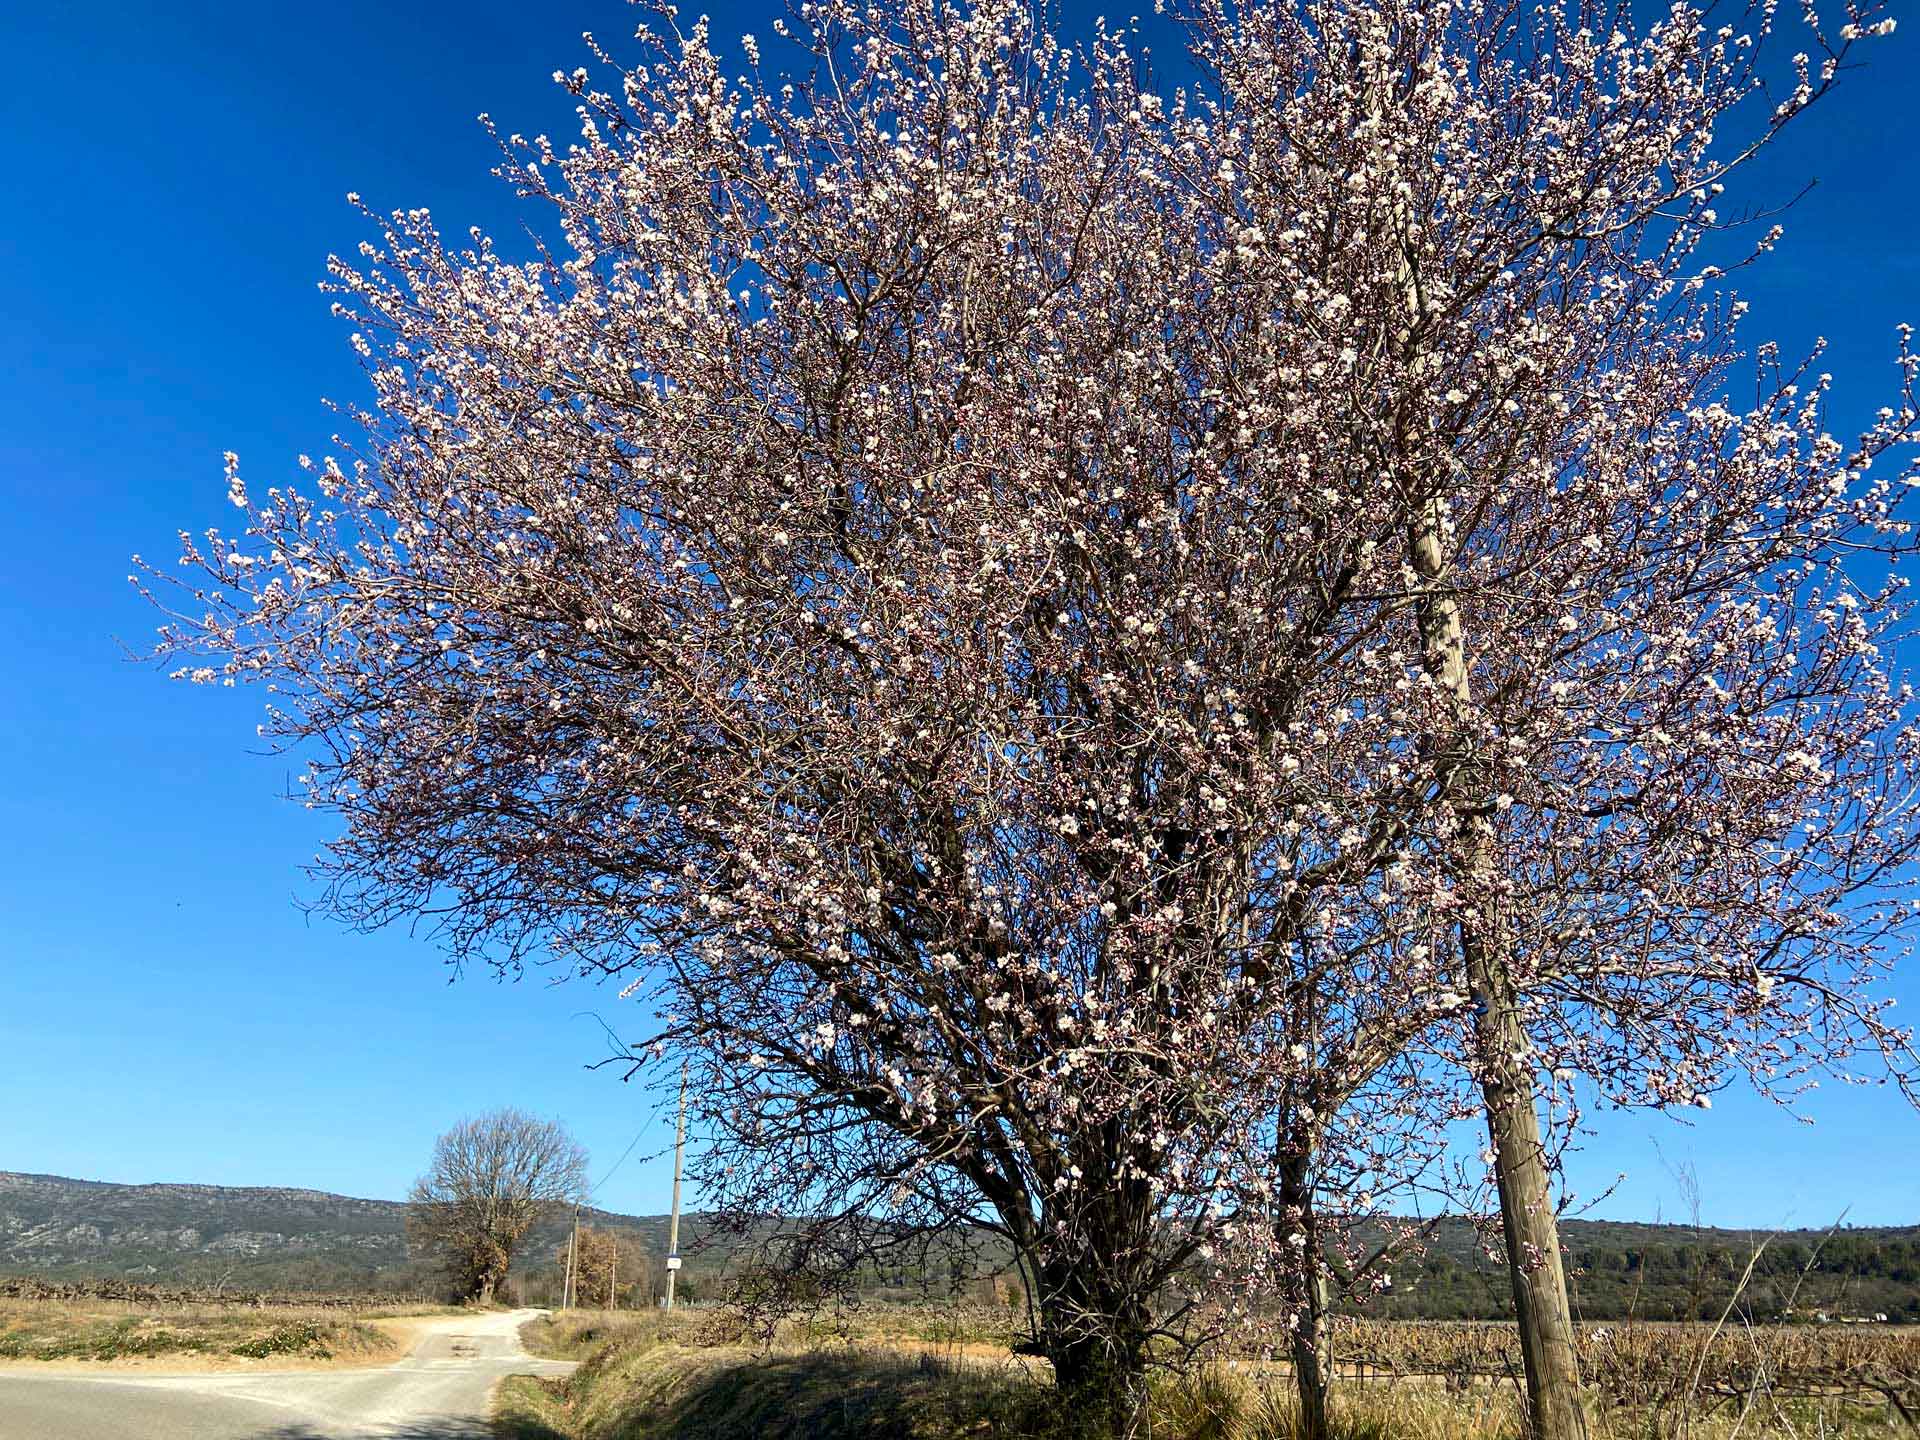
[
  {"x": 130, "y": 1324},
  {"x": 933, "y": 1374},
  {"x": 1662, "y": 1366}
]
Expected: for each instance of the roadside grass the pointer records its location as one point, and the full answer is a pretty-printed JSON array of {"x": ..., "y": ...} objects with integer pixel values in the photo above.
[
  {"x": 576, "y": 1334},
  {"x": 672, "y": 1391},
  {"x": 105, "y": 1330},
  {"x": 581, "y": 1334},
  {"x": 651, "y": 1376}
]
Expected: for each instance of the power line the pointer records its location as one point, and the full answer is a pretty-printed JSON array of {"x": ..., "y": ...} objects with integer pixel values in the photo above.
[
  {"x": 567, "y": 1287},
  {"x": 595, "y": 1188},
  {"x": 645, "y": 1126}
]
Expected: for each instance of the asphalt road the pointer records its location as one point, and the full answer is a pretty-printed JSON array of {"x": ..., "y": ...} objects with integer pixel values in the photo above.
[{"x": 439, "y": 1392}]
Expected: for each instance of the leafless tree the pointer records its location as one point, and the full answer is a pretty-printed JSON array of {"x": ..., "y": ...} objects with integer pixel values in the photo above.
[{"x": 491, "y": 1179}]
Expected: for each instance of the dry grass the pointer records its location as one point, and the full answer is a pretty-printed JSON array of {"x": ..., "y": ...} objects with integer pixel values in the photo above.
[
  {"x": 97, "y": 1331},
  {"x": 1684, "y": 1374},
  {"x": 674, "y": 1391},
  {"x": 577, "y": 1334},
  {"x": 580, "y": 1334},
  {"x": 689, "y": 1377}
]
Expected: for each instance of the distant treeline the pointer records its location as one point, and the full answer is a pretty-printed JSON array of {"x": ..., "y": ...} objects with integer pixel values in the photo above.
[
  {"x": 1852, "y": 1274},
  {"x": 265, "y": 1239}
]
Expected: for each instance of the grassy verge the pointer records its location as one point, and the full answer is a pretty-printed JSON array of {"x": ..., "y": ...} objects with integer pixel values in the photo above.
[
  {"x": 677, "y": 1392},
  {"x": 582, "y": 1334},
  {"x": 655, "y": 1377},
  {"x": 526, "y": 1408},
  {"x": 45, "y": 1330}
]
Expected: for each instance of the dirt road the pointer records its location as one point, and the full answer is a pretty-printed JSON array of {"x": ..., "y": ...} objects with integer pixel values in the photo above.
[{"x": 439, "y": 1392}]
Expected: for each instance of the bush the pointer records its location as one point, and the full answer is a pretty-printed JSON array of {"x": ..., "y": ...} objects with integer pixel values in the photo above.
[{"x": 300, "y": 1338}]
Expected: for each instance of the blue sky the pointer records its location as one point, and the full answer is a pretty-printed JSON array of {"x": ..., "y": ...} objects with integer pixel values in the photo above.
[{"x": 173, "y": 182}]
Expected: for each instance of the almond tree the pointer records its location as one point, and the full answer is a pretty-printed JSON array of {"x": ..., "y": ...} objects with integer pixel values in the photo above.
[
  {"x": 1006, "y": 602},
  {"x": 1670, "y": 762},
  {"x": 845, "y": 593}
]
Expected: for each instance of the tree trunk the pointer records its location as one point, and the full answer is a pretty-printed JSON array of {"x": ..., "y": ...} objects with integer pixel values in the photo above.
[
  {"x": 1310, "y": 1344},
  {"x": 1555, "y": 1405},
  {"x": 1532, "y": 1231},
  {"x": 1097, "y": 1344},
  {"x": 1103, "y": 1387}
]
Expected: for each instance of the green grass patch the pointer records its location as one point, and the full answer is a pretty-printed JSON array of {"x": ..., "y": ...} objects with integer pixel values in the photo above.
[
  {"x": 124, "y": 1339},
  {"x": 303, "y": 1337}
]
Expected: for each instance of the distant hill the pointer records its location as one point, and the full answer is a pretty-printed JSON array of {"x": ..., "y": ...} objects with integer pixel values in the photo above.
[
  {"x": 271, "y": 1238},
  {"x": 255, "y": 1237}
]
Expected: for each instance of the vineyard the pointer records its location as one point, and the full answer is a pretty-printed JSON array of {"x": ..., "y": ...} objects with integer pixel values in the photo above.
[
  {"x": 120, "y": 1322},
  {"x": 134, "y": 1293},
  {"x": 945, "y": 1373},
  {"x": 1656, "y": 1366}
]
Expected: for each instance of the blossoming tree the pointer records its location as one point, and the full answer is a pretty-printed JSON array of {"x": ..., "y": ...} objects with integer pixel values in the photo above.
[
  {"x": 844, "y": 592},
  {"x": 1084, "y": 646},
  {"x": 1651, "y": 634}
]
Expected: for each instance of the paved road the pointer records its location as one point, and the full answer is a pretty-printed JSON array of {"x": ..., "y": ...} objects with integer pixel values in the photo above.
[{"x": 439, "y": 1392}]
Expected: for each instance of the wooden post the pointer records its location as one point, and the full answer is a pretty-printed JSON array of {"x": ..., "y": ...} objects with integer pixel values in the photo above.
[
  {"x": 1556, "y": 1405},
  {"x": 679, "y": 1154},
  {"x": 573, "y": 1240}
]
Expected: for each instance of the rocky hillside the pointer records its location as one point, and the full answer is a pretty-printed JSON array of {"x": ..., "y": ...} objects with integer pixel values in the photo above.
[{"x": 258, "y": 1237}]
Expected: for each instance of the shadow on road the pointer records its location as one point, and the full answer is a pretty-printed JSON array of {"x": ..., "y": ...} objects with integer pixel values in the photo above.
[{"x": 410, "y": 1430}]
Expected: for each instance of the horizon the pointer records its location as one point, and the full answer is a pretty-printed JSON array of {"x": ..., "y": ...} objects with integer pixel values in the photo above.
[
  {"x": 1841, "y": 1226},
  {"x": 171, "y": 1003}
]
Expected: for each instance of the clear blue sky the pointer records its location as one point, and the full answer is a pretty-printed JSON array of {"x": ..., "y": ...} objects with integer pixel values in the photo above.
[{"x": 172, "y": 184}]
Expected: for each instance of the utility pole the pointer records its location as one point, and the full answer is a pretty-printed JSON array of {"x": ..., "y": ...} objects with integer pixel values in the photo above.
[
  {"x": 573, "y": 1242},
  {"x": 679, "y": 1155},
  {"x": 613, "y": 1274}
]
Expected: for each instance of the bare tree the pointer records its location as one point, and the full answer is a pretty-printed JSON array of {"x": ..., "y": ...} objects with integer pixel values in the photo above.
[{"x": 492, "y": 1177}]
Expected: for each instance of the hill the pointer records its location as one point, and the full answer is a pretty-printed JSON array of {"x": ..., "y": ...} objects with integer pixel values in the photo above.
[
  {"x": 274, "y": 1238},
  {"x": 250, "y": 1237}
]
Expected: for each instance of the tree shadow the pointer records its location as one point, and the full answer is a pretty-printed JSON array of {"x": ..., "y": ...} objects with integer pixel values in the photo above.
[
  {"x": 815, "y": 1395},
  {"x": 450, "y": 1429},
  {"x": 829, "y": 1395}
]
